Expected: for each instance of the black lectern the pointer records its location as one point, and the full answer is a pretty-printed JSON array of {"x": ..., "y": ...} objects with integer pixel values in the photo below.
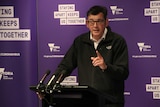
[{"x": 75, "y": 96}]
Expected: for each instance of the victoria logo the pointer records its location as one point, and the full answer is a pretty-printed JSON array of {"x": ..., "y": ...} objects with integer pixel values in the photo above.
[
  {"x": 53, "y": 47},
  {"x": 143, "y": 47},
  {"x": 5, "y": 75},
  {"x": 118, "y": 14},
  {"x": 116, "y": 10},
  {"x": 1, "y": 72}
]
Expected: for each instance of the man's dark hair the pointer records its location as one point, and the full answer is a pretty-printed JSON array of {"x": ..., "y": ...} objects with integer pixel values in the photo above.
[{"x": 96, "y": 10}]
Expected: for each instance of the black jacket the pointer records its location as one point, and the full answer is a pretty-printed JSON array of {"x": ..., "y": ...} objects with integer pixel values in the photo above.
[{"x": 115, "y": 53}]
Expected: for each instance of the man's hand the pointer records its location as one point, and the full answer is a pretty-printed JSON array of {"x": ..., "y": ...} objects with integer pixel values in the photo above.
[{"x": 99, "y": 61}]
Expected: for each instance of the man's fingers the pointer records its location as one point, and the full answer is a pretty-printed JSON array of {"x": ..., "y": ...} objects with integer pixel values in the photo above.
[
  {"x": 96, "y": 61},
  {"x": 98, "y": 54},
  {"x": 92, "y": 58}
]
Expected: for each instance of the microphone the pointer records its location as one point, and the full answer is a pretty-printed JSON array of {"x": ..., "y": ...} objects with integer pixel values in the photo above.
[
  {"x": 55, "y": 81},
  {"x": 44, "y": 76},
  {"x": 51, "y": 81},
  {"x": 42, "y": 79},
  {"x": 59, "y": 80},
  {"x": 60, "y": 77}
]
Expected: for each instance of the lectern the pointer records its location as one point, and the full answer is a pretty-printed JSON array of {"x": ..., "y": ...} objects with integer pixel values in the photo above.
[{"x": 75, "y": 96}]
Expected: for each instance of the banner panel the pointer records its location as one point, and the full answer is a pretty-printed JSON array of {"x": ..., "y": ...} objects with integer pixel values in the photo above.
[
  {"x": 18, "y": 53},
  {"x": 60, "y": 21}
]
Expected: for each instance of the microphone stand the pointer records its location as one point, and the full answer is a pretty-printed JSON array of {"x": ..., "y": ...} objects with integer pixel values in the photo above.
[
  {"x": 54, "y": 83},
  {"x": 41, "y": 85},
  {"x": 57, "y": 86}
]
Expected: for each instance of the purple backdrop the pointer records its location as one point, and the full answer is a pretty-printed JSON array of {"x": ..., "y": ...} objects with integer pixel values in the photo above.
[
  {"x": 126, "y": 18},
  {"x": 26, "y": 60}
]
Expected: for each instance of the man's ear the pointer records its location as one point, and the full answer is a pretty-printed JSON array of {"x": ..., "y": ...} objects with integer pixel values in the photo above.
[
  {"x": 87, "y": 24},
  {"x": 107, "y": 22}
]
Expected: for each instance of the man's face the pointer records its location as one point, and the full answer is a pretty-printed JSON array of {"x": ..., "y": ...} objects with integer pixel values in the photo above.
[{"x": 96, "y": 25}]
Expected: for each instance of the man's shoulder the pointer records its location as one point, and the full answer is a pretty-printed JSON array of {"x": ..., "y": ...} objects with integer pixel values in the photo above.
[
  {"x": 82, "y": 36},
  {"x": 115, "y": 35}
]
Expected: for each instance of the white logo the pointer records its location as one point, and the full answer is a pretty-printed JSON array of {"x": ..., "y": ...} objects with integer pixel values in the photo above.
[
  {"x": 53, "y": 48},
  {"x": 143, "y": 47},
  {"x": 109, "y": 47},
  {"x": 116, "y": 10},
  {"x": 1, "y": 72},
  {"x": 5, "y": 75}
]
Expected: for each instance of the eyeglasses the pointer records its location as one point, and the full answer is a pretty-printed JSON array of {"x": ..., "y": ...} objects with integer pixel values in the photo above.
[{"x": 98, "y": 22}]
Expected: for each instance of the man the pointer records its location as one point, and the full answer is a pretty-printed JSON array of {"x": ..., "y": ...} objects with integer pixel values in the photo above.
[{"x": 101, "y": 57}]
